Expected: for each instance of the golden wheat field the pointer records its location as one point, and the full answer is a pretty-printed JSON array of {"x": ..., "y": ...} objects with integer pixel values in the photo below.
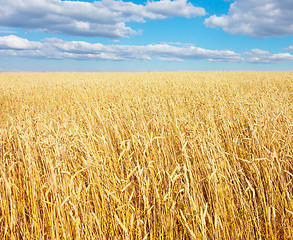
[{"x": 185, "y": 155}]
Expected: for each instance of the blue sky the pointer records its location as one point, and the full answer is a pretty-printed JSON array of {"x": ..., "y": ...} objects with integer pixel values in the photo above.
[{"x": 160, "y": 35}]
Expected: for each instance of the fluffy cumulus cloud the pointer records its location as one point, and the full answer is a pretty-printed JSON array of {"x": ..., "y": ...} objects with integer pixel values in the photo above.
[
  {"x": 54, "y": 48},
  {"x": 16, "y": 43},
  {"x": 260, "y": 56},
  {"x": 258, "y": 19},
  {"x": 105, "y": 18}
]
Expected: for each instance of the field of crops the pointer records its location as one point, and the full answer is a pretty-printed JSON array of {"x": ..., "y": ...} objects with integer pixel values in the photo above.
[{"x": 186, "y": 155}]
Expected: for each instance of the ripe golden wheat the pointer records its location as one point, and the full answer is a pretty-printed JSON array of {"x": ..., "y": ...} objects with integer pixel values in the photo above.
[{"x": 146, "y": 155}]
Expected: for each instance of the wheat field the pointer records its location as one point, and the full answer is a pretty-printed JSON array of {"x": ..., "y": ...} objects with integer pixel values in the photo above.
[{"x": 185, "y": 155}]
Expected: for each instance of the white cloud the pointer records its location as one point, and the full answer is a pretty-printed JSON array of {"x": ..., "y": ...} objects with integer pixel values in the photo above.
[
  {"x": 258, "y": 52},
  {"x": 54, "y": 48},
  {"x": 290, "y": 48},
  {"x": 105, "y": 18},
  {"x": 260, "y": 56},
  {"x": 167, "y": 8},
  {"x": 13, "y": 42},
  {"x": 258, "y": 19}
]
